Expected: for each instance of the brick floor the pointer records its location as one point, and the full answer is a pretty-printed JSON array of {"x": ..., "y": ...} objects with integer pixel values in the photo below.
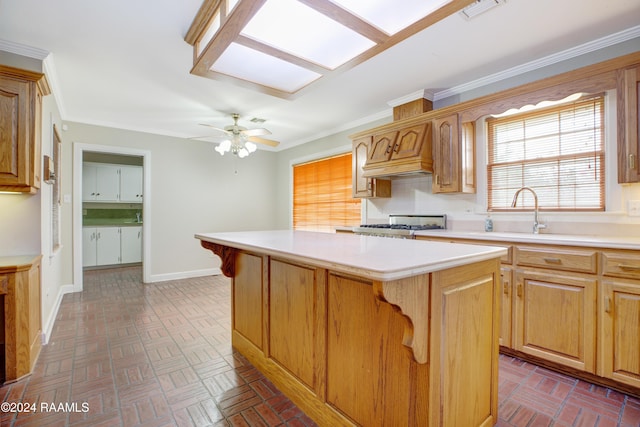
[{"x": 127, "y": 354}]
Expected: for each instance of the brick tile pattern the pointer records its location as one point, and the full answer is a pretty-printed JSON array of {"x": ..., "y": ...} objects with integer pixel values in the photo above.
[{"x": 160, "y": 355}]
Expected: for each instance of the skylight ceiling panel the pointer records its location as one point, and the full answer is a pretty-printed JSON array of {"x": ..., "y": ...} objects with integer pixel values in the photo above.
[
  {"x": 254, "y": 66},
  {"x": 391, "y": 16},
  {"x": 318, "y": 38}
]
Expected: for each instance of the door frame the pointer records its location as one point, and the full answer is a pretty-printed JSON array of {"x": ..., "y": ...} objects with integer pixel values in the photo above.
[{"x": 78, "y": 154}]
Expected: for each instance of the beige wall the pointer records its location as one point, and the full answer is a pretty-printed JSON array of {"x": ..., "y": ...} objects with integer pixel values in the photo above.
[{"x": 193, "y": 189}]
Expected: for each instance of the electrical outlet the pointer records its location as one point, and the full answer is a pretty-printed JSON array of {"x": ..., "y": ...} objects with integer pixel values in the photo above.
[{"x": 633, "y": 208}]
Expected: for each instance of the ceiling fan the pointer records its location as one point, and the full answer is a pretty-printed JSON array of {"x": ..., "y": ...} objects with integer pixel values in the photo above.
[{"x": 240, "y": 140}]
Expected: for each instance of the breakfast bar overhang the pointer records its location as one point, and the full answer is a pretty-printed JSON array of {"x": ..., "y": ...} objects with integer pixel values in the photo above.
[{"x": 369, "y": 331}]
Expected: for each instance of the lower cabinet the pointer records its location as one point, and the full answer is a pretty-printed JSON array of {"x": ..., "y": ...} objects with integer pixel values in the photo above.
[
  {"x": 620, "y": 346},
  {"x": 577, "y": 307},
  {"x": 20, "y": 287},
  {"x": 505, "y": 322},
  {"x": 555, "y": 317},
  {"x": 111, "y": 245}
]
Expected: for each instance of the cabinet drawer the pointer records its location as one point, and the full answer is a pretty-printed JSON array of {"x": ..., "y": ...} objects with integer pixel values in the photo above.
[
  {"x": 570, "y": 260},
  {"x": 621, "y": 264}
]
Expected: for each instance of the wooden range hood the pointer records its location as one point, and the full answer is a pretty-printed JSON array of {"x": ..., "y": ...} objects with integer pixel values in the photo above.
[{"x": 403, "y": 147}]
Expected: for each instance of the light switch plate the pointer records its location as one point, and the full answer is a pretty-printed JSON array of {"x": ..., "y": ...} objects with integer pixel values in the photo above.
[{"x": 633, "y": 208}]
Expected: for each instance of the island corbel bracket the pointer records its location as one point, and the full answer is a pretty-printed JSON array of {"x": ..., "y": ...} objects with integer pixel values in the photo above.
[
  {"x": 411, "y": 297},
  {"x": 226, "y": 254}
]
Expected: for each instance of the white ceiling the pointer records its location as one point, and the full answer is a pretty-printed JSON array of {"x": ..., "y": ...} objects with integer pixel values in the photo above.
[{"x": 125, "y": 64}]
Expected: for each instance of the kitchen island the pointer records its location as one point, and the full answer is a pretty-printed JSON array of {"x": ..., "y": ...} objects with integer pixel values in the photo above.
[{"x": 360, "y": 330}]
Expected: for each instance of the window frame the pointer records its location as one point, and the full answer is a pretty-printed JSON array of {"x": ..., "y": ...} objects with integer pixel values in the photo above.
[{"x": 600, "y": 154}]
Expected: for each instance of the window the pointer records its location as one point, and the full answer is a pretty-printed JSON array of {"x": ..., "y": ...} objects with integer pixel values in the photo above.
[
  {"x": 322, "y": 197},
  {"x": 558, "y": 152}
]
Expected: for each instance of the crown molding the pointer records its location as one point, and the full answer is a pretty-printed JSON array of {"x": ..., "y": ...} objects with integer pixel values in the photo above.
[
  {"x": 564, "y": 55},
  {"x": 24, "y": 50},
  {"x": 423, "y": 93}
]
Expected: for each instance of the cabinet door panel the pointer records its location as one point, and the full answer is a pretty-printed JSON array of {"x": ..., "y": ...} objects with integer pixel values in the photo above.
[
  {"x": 247, "y": 297},
  {"x": 107, "y": 183},
  {"x": 88, "y": 182},
  {"x": 621, "y": 331},
  {"x": 505, "y": 321},
  {"x": 130, "y": 183},
  {"x": 130, "y": 244},
  {"x": 14, "y": 138},
  {"x": 409, "y": 142},
  {"x": 382, "y": 146},
  {"x": 555, "y": 318},
  {"x": 291, "y": 305},
  {"x": 361, "y": 186},
  {"x": 446, "y": 155},
  {"x": 89, "y": 247},
  {"x": 108, "y": 245}
]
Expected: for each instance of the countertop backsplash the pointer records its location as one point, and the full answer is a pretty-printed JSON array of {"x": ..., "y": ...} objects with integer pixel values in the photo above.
[
  {"x": 110, "y": 216},
  {"x": 467, "y": 212}
]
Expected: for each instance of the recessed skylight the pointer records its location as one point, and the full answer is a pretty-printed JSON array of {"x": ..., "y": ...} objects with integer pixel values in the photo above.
[
  {"x": 257, "y": 67},
  {"x": 281, "y": 46},
  {"x": 294, "y": 28},
  {"x": 392, "y": 16}
]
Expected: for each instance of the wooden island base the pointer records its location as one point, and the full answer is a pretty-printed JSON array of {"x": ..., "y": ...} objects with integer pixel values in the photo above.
[{"x": 417, "y": 351}]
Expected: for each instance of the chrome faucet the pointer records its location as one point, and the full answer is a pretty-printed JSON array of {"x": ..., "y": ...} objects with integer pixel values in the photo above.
[{"x": 536, "y": 224}]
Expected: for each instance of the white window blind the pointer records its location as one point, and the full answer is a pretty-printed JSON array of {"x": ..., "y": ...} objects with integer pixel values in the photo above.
[{"x": 558, "y": 152}]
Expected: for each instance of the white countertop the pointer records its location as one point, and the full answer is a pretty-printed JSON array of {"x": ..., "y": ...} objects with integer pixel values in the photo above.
[
  {"x": 376, "y": 258},
  {"x": 555, "y": 239}
]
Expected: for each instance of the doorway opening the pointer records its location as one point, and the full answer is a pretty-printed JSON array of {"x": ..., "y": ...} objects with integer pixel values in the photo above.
[{"x": 111, "y": 217}]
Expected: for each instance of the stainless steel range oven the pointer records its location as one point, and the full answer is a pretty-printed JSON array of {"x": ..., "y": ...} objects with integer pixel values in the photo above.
[{"x": 403, "y": 226}]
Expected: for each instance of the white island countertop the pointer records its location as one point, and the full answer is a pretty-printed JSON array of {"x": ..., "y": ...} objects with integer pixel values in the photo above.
[{"x": 375, "y": 258}]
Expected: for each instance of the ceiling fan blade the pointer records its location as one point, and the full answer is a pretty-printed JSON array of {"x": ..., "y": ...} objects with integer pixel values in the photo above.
[
  {"x": 256, "y": 132},
  {"x": 215, "y": 128},
  {"x": 264, "y": 141}
]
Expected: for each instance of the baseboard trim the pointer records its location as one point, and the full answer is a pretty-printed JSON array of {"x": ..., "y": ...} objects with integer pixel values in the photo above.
[
  {"x": 185, "y": 275},
  {"x": 47, "y": 327}
]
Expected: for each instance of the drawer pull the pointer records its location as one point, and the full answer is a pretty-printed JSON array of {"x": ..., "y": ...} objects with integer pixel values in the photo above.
[
  {"x": 519, "y": 290},
  {"x": 607, "y": 305},
  {"x": 628, "y": 267},
  {"x": 552, "y": 260}
]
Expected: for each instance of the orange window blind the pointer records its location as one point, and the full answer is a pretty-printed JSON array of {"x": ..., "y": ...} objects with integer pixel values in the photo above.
[
  {"x": 559, "y": 152},
  {"x": 322, "y": 197}
]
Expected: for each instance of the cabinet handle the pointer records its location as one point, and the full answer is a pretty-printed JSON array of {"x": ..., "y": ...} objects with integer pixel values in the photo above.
[
  {"x": 607, "y": 305},
  {"x": 98, "y": 236},
  {"x": 388, "y": 149},
  {"x": 505, "y": 288},
  {"x": 552, "y": 260},
  {"x": 519, "y": 290},
  {"x": 629, "y": 267},
  {"x": 437, "y": 179},
  {"x": 632, "y": 161},
  {"x": 396, "y": 148}
]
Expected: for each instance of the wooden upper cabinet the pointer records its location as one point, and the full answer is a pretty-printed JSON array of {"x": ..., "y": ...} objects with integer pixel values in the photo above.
[
  {"x": 363, "y": 187},
  {"x": 628, "y": 92},
  {"x": 21, "y": 94},
  {"x": 453, "y": 156},
  {"x": 382, "y": 146}
]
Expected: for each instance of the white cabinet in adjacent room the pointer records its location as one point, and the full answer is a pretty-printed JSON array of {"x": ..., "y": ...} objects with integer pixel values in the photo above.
[
  {"x": 108, "y": 245},
  {"x": 100, "y": 182},
  {"x": 111, "y": 245},
  {"x": 89, "y": 246},
  {"x": 105, "y": 182},
  {"x": 131, "y": 184},
  {"x": 130, "y": 244}
]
